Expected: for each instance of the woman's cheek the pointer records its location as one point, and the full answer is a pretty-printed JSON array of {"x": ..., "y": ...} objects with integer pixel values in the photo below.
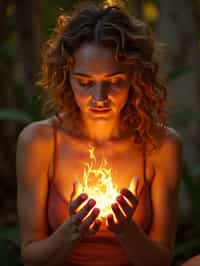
[
  {"x": 81, "y": 97},
  {"x": 119, "y": 95}
]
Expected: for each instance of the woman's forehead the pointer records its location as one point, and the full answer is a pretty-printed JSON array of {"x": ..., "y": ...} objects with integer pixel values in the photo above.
[
  {"x": 91, "y": 49},
  {"x": 93, "y": 59}
]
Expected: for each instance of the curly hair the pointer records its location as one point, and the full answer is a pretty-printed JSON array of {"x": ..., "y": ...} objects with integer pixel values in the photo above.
[{"x": 134, "y": 46}]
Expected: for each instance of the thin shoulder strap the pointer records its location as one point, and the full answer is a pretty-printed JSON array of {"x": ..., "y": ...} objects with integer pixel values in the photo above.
[
  {"x": 144, "y": 163},
  {"x": 55, "y": 153}
]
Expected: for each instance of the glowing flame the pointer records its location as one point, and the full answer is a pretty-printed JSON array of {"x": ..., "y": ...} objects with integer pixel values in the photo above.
[{"x": 98, "y": 184}]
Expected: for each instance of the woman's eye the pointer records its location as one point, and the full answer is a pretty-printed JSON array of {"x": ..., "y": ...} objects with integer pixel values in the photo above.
[
  {"x": 106, "y": 83},
  {"x": 118, "y": 81},
  {"x": 85, "y": 84}
]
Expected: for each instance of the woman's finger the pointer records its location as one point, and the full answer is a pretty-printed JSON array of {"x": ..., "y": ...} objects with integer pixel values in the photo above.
[
  {"x": 89, "y": 220},
  {"x": 130, "y": 197},
  {"x": 95, "y": 228},
  {"x": 72, "y": 196},
  {"x": 118, "y": 213},
  {"x": 73, "y": 205},
  {"x": 128, "y": 210},
  {"x": 75, "y": 191},
  {"x": 79, "y": 216},
  {"x": 134, "y": 185},
  {"x": 112, "y": 226}
]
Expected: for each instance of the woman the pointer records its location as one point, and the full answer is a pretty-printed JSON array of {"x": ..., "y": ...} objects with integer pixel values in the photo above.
[{"x": 102, "y": 84}]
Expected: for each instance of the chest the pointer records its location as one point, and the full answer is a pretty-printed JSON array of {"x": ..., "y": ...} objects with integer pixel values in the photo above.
[
  {"x": 70, "y": 164},
  {"x": 73, "y": 165}
]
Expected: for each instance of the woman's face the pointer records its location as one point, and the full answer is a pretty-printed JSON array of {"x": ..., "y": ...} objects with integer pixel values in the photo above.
[{"x": 99, "y": 83}]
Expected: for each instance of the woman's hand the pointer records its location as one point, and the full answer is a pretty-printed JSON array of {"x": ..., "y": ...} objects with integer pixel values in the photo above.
[
  {"x": 124, "y": 216},
  {"x": 83, "y": 223}
]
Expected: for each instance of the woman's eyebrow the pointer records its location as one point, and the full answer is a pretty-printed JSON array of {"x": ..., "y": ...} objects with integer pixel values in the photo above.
[{"x": 89, "y": 76}]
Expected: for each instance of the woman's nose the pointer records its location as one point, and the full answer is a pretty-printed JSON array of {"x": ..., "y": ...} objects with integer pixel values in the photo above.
[{"x": 100, "y": 93}]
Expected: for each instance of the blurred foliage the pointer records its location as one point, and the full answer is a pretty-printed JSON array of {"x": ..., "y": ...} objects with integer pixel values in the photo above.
[
  {"x": 32, "y": 112},
  {"x": 10, "y": 247},
  {"x": 188, "y": 234},
  {"x": 150, "y": 12}
]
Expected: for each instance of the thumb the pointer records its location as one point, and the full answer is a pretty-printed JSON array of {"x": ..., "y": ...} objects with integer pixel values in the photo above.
[
  {"x": 72, "y": 195},
  {"x": 134, "y": 184},
  {"x": 76, "y": 190}
]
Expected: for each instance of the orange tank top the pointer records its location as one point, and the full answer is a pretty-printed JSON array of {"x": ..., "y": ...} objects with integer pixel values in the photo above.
[{"x": 101, "y": 248}]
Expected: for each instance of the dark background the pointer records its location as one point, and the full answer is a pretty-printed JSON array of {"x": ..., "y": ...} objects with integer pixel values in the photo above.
[{"x": 25, "y": 25}]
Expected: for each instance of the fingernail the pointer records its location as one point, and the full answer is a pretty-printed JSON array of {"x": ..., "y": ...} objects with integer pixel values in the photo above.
[
  {"x": 83, "y": 196},
  {"x": 137, "y": 179},
  {"x": 91, "y": 202},
  {"x": 123, "y": 190},
  {"x": 114, "y": 205},
  {"x": 120, "y": 198},
  {"x": 96, "y": 211}
]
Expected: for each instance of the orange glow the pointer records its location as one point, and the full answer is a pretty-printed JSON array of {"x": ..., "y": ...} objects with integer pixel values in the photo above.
[
  {"x": 98, "y": 184},
  {"x": 108, "y": 3}
]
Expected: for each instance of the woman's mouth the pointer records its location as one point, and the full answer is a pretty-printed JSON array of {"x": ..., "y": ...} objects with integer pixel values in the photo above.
[{"x": 100, "y": 110}]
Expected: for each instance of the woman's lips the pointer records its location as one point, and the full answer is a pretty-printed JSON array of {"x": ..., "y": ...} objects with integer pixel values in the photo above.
[{"x": 100, "y": 110}]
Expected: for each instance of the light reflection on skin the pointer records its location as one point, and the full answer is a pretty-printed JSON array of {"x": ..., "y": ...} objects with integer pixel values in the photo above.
[{"x": 98, "y": 81}]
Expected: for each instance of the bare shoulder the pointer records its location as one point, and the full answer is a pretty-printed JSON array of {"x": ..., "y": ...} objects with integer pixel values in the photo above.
[
  {"x": 171, "y": 134},
  {"x": 34, "y": 153},
  {"x": 170, "y": 140},
  {"x": 36, "y": 132},
  {"x": 35, "y": 141},
  {"x": 167, "y": 159}
]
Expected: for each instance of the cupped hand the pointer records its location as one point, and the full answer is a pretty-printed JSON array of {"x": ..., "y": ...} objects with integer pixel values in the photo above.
[
  {"x": 123, "y": 210},
  {"x": 83, "y": 219}
]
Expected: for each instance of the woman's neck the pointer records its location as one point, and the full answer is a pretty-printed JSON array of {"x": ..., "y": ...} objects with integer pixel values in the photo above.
[
  {"x": 101, "y": 131},
  {"x": 108, "y": 142},
  {"x": 96, "y": 133}
]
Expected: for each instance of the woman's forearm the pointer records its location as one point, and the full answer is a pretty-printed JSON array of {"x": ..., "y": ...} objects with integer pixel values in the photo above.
[
  {"x": 143, "y": 251},
  {"x": 51, "y": 251}
]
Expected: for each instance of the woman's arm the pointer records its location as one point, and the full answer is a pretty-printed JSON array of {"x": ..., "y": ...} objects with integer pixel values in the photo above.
[
  {"x": 194, "y": 261},
  {"x": 157, "y": 248},
  {"x": 34, "y": 152},
  {"x": 51, "y": 251}
]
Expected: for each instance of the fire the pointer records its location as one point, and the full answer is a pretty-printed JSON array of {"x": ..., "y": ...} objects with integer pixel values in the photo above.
[{"x": 98, "y": 184}]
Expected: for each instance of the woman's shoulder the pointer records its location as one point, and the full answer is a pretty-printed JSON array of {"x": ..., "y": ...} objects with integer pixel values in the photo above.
[
  {"x": 170, "y": 137},
  {"x": 34, "y": 150},
  {"x": 166, "y": 159},
  {"x": 169, "y": 140},
  {"x": 37, "y": 132}
]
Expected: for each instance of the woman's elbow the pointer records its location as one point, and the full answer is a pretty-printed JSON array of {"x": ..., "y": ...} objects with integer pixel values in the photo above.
[{"x": 28, "y": 257}]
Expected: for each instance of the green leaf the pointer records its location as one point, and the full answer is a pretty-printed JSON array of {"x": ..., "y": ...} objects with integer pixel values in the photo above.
[
  {"x": 177, "y": 73},
  {"x": 7, "y": 51},
  {"x": 11, "y": 114},
  {"x": 11, "y": 233},
  {"x": 10, "y": 246}
]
